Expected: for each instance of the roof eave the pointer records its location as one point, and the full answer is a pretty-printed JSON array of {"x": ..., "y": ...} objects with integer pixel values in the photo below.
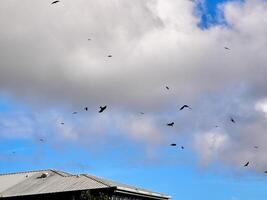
[{"x": 141, "y": 193}]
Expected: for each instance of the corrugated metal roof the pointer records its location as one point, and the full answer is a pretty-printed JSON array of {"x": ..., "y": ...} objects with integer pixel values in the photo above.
[
  {"x": 21, "y": 184},
  {"x": 30, "y": 183},
  {"x": 126, "y": 187}
]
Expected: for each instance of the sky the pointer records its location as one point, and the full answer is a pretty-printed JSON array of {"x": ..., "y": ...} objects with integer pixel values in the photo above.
[{"x": 211, "y": 55}]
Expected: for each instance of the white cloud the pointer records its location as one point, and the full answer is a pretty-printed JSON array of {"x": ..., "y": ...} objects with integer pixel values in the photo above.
[
  {"x": 46, "y": 60},
  {"x": 144, "y": 128},
  {"x": 210, "y": 144},
  {"x": 262, "y": 106}
]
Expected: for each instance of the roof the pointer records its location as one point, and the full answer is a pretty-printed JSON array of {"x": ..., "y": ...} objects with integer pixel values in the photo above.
[
  {"x": 128, "y": 188},
  {"x": 54, "y": 181}
]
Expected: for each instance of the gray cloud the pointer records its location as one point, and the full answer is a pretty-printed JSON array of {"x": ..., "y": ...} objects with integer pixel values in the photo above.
[{"x": 45, "y": 59}]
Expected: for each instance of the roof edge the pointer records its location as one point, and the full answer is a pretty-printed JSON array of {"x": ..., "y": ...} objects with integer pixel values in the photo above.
[
  {"x": 142, "y": 193},
  {"x": 25, "y": 172}
]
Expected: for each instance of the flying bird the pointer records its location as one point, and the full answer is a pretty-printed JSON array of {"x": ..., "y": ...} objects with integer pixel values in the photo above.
[
  {"x": 74, "y": 113},
  {"x": 167, "y": 87},
  {"x": 89, "y": 39},
  {"x": 41, "y": 140},
  {"x": 86, "y": 108},
  {"x": 246, "y": 164},
  {"x": 173, "y": 145},
  {"x": 54, "y": 2},
  {"x": 142, "y": 113},
  {"x": 265, "y": 172},
  {"x": 185, "y": 106},
  {"x": 232, "y": 120},
  {"x": 109, "y": 56},
  {"x": 170, "y": 124},
  {"x": 227, "y": 48},
  {"x": 182, "y": 147},
  {"x": 102, "y": 109},
  {"x": 256, "y": 147},
  {"x": 62, "y": 123}
]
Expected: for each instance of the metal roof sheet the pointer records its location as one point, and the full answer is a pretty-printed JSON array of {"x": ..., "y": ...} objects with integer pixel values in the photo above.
[
  {"x": 22, "y": 184},
  {"x": 30, "y": 183},
  {"x": 125, "y": 187}
]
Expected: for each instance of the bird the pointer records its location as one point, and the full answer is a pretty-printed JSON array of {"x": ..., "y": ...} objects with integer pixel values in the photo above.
[
  {"x": 142, "y": 113},
  {"x": 265, "y": 172},
  {"x": 62, "y": 123},
  {"x": 102, "y": 109},
  {"x": 170, "y": 124},
  {"x": 227, "y": 48},
  {"x": 182, "y": 147},
  {"x": 89, "y": 39},
  {"x": 74, "y": 113},
  {"x": 54, "y": 2},
  {"x": 86, "y": 108},
  {"x": 246, "y": 164},
  {"x": 185, "y": 106},
  {"x": 41, "y": 140},
  {"x": 232, "y": 120},
  {"x": 173, "y": 145},
  {"x": 256, "y": 147},
  {"x": 167, "y": 87},
  {"x": 110, "y": 56}
]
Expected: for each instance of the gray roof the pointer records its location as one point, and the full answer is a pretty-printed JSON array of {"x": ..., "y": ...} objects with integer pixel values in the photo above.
[{"x": 30, "y": 183}]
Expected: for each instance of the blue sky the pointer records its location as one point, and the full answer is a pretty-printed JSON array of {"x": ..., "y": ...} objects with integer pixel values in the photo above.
[{"x": 121, "y": 144}]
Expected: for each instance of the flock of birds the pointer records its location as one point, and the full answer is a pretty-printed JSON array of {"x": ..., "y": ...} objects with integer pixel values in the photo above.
[
  {"x": 102, "y": 108},
  {"x": 170, "y": 124}
]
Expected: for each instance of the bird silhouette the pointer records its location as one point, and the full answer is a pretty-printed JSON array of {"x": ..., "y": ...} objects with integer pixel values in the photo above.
[
  {"x": 167, "y": 87},
  {"x": 227, "y": 48},
  {"x": 74, "y": 113},
  {"x": 173, "y": 145},
  {"x": 246, "y": 164},
  {"x": 182, "y": 147},
  {"x": 41, "y": 140},
  {"x": 89, "y": 39},
  {"x": 265, "y": 172},
  {"x": 62, "y": 123},
  {"x": 102, "y": 109},
  {"x": 185, "y": 106},
  {"x": 232, "y": 120},
  {"x": 256, "y": 147},
  {"x": 54, "y": 2},
  {"x": 142, "y": 113},
  {"x": 110, "y": 56},
  {"x": 170, "y": 124},
  {"x": 86, "y": 108}
]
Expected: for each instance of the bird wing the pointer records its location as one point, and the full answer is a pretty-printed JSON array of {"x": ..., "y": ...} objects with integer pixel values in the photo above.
[{"x": 54, "y": 2}]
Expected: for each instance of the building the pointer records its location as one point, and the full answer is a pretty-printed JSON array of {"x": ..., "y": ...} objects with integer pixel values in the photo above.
[{"x": 58, "y": 185}]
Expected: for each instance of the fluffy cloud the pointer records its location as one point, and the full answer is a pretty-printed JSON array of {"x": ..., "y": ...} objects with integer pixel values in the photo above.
[
  {"x": 209, "y": 144},
  {"x": 46, "y": 59}
]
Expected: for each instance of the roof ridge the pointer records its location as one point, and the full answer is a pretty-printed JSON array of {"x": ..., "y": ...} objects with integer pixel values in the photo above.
[
  {"x": 61, "y": 173},
  {"x": 97, "y": 179},
  {"x": 25, "y": 172}
]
